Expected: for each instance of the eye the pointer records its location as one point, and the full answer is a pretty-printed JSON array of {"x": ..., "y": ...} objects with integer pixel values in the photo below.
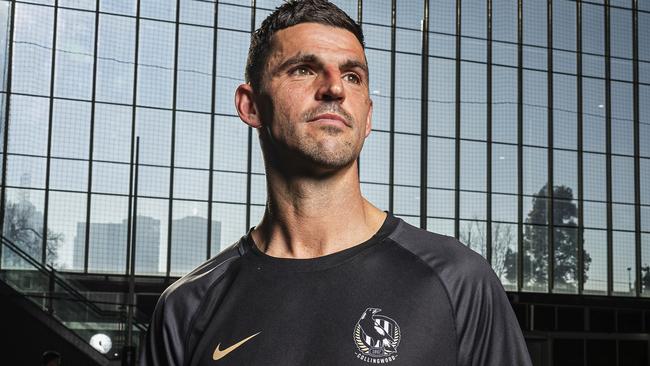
[
  {"x": 301, "y": 71},
  {"x": 352, "y": 78}
]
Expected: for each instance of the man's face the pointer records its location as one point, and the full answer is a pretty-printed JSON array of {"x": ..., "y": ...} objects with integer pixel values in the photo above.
[{"x": 315, "y": 102}]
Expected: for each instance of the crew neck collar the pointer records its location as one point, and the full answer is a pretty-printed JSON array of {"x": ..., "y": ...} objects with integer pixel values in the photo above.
[{"x": 264, "y": 260}]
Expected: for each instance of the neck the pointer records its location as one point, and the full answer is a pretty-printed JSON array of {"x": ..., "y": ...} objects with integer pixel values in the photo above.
[{"x": 308, "y": 217}]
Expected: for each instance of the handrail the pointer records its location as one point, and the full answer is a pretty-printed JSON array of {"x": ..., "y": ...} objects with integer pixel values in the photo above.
[{"x": 62, "y": 282}]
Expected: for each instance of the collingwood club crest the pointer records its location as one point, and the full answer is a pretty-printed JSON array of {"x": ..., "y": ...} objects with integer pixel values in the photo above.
[{"x": 376, "y": 337}]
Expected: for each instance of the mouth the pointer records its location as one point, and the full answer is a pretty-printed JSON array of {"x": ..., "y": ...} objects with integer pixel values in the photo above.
[{"x": 331, "y": 119}]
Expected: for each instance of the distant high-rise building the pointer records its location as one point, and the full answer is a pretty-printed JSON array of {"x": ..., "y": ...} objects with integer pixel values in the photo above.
[
  {"x": 189, "y": 242},
  {"x": 107, "y": 249}
]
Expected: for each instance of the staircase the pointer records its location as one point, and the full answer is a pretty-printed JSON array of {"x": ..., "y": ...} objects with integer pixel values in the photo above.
[{"x": 42, "y": 294}]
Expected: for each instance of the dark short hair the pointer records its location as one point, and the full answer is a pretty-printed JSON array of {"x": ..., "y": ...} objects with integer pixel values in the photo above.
[
  {"x": 49, "y": 356},
  {"x": 291, "y": 13}
]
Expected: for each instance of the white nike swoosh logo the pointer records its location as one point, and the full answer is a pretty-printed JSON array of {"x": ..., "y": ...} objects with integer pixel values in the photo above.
[{"x": 219, "y": 354}]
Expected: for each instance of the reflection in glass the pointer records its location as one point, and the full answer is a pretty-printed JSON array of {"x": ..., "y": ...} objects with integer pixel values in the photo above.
[
  {"x": 472, "y": 234},
  {"x": 595, "y": 243},
  {"x": 231, "y": 220},
  {"x": 66, "y": 212},
  {"x": 107, "y": 249},
  {"x": 23, "y": 224},
  {"x": 645, "y": 265},
  {"x": 441, "y": 226},
  {"x": 535, "y": 248},
  {"x": 151, "y": 236},
  {"x": 623, "y": 266},
  {"x": 504, "y": 254},
  {"x": 189, "y": 235}
]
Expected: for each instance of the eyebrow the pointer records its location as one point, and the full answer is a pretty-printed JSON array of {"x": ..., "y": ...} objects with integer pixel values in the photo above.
[{"x": 308, "y": 58}]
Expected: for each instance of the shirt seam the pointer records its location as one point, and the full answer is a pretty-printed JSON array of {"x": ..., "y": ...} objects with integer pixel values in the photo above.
[
  {"x": 444, "y": 286},
  {"x": 202, "y": 304}
]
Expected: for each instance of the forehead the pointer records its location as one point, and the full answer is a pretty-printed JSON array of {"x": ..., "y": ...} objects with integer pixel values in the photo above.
[{"x": 313, "y": 38}]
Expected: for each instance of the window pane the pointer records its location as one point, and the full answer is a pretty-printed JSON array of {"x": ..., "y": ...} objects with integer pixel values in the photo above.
[
  {"x": 380, "y": 88},
  {"x": 32, "y": 52},
  {"x": 154, "y": 129},
  {"x": 202, "y": 12},
  {"x": 504, "y": 104},
  {"x": 375, "y": 157},
  {"x": 115, "y": 59},
  {"x": 624, "y": 267},
  {"x": 504, "y": 254},
  {"x": 442, "y": 97},
  {"x": 504, "y": 168},
  {"x": 472, "y": 234},
  {"x": 108, "y": 233},
  {"x": 595, "y": 262},
  {"x": 442, "y": 163},
  {"x": 407, "y": 160},
  {"x": 112, "y": 133},
  {"x": 231, "y": 221},
  {"x": 473, "y": 165},
  {"x": 566, "y": 260},
  {"x": 28, "y": 125},
  {"x": 23, "y": 224},
  {"x": 192, "y": 143},
  {"x": 535, "y": 108},
  {"x": 5, "y": 18},
  {"x": 535, "y": 170},
  {"x": 71, "y": 129},
  {"x": 407, "y": 105},
  {"x": 75, "y": 40},
  {"x": 194, "y": 89},
  {"x": 66, "y": 225},
  {"x": 473, "y": 101},
  {"x": 156, "y": 64},
  {"x": 535, "y": 258},
  {"x": 565, "y": 112},
  {"x": 593, "y": 114},
  {"x": 189, "y": 236},
  {"x": 151, "y": 236}
]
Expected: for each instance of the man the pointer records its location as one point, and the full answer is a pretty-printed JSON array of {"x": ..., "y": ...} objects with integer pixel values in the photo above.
[{"x": 326, "y": 278}]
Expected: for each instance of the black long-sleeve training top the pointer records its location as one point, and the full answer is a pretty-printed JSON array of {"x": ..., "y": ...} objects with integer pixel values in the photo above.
[{"x": 404, "y": 297}]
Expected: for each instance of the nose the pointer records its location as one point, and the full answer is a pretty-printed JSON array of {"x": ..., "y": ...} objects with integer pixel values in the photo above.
[{"x": 331, "y": 86}]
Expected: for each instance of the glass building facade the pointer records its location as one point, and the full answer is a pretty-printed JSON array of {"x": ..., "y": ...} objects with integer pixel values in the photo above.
[{"x": 522, "y": 127}]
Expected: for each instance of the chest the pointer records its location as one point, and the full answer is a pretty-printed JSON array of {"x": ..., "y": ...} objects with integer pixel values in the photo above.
[{"x": 338, "y": 317}]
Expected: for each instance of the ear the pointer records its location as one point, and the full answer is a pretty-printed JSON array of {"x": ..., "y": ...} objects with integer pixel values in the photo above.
[
  {"x": 246, "y": 106},
  {"x": 369, "y": 119}
]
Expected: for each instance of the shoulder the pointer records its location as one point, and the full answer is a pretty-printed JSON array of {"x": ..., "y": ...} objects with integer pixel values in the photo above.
[
  {"x": 178, "y": 305},
  {"x": 187, "y": 291},
  {"x": 447, "y": 256}
]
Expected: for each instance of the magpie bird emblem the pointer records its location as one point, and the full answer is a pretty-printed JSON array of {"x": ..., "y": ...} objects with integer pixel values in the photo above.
[{"x": 376, "y": 336}]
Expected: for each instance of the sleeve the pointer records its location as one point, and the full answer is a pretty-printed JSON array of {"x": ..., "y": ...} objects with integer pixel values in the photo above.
[
  {"x": 162, "y": 344},
  {"x": 488, "y": 331}
]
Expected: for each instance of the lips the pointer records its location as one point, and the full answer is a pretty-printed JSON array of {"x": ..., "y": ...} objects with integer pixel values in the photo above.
[{"x": 330, "y": 118}]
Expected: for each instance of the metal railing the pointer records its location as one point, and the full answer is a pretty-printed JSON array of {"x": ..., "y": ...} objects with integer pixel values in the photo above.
[{"x": 60, "y": 298}]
